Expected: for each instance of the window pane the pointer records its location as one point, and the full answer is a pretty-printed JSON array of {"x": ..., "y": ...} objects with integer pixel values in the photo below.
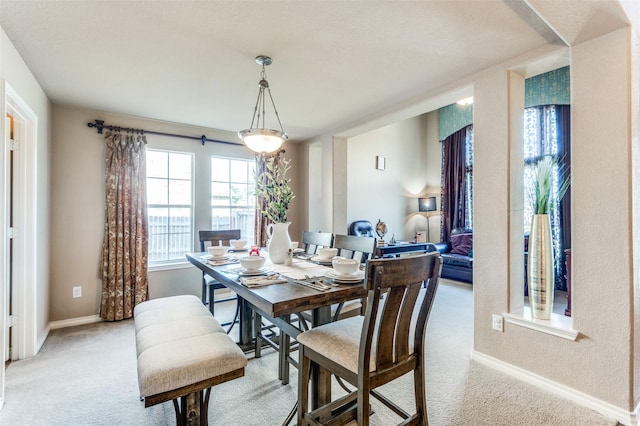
[
  {"x": 238, "y": 194},
  {"x": 239, "y": 171},
  {"x": 179, "y": 192},
  {"x": 157, "y": 191},
  {"x": 157, "y": 163},
  {"x": 219, "y": 194},
  {"x": 219, "y": 169},
  {"x": 220, "y": 219},
  {"x": 180, "y": 166}
]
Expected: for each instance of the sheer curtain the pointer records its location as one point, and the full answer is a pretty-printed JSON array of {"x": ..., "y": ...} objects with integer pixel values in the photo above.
[
  {"x": 547, "y": 133},
  {"x": 125, "y": 244},
  {"x": 457, "y": 181}
]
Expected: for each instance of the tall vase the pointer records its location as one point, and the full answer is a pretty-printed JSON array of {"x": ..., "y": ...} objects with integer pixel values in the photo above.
[
  {"x": 279, "y": 241},
  {"x": 540, "y": 267}
]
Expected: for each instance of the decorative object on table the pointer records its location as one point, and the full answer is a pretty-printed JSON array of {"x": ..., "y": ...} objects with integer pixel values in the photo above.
[
  {"x": 279, "y": 241},
  {"x": 274, "y": 196},
  {"x": 381, "y": 162},
  {"x": 421, "y": 236},
  {"x": 427, "y": 205},
  {"x": 381, "y": 231},
  {"x": 254, "y": 251},
  {"x": 540, "y": 268},
  {"x": 288, "y": 260},
  {"x": 392, "y": 242},
  {"x": 259, "y": 138}
]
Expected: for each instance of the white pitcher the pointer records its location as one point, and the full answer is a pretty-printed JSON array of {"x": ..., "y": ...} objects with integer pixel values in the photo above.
[{"x": 279, "y": 241}]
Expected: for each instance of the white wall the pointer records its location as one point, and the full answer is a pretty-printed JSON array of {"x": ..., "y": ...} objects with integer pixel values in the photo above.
[
  {"x": 598, "y": 363},
  {"x": 391, "y": 194}
]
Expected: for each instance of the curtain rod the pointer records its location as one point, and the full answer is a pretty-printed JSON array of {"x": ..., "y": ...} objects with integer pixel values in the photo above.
[{"x": 99, "y": 125}]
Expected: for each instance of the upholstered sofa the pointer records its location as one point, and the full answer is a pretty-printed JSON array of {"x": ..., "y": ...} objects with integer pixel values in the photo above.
[{"x": 457, "y": 255}]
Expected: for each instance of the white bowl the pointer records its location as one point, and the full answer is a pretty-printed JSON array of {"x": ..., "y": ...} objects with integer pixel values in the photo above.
[
  {"x": 327, "y": 252},
  {"x": 345, "y": 266},
  {"x": 252, "y": 263},
  {"x": 218, "y": 251},
  {"x": 238, "y": 244},
  {"x": 294, "y": 245}
]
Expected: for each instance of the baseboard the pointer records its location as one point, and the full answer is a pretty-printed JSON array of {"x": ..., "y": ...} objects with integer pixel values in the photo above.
[
  {"x": 608, "y": 410},
  {"x": 42, "y": 339},
  {"x": 74, "y": 321}
]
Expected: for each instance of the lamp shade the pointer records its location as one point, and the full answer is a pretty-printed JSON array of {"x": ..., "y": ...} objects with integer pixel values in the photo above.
[
  {"x": 262, "y": 140},
  {"x": 427, "y": 204}
]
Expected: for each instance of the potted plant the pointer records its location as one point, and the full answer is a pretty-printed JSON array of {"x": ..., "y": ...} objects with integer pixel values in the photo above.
[
  {"x": 273, "y": 187},
  {"x": 551, "y": 182}
]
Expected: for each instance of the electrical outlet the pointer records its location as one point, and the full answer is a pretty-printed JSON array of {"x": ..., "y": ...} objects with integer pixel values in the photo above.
[
  {"x": 77, "y": 291},
  {"x": 497, "y": 322}
]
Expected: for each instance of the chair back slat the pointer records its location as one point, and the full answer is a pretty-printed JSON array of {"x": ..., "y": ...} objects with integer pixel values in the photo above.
[
  {"x": 350, "y": 246},
  {"x": 388, "y": 319},
  {"x": 214, "y": 237},
  {"x": 312, "y": 241}
]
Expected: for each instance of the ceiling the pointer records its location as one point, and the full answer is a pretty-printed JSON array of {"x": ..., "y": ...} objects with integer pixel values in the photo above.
[{"x": 335, "y": 63}]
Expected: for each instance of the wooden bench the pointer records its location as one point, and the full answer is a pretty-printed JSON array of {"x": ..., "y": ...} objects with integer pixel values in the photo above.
[{"x": 182, "y": 352}]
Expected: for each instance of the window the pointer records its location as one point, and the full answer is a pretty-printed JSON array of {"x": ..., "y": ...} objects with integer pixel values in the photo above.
[
  {"x": 543, "y": 137},
  {"x": 233, "y": 204},
  {"x": 169, "y": 204}
]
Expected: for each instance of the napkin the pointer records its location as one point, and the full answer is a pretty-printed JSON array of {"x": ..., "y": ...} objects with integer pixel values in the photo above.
[
  {"x": 221, "y": 262},
  {"x": 262, "y": 281}
]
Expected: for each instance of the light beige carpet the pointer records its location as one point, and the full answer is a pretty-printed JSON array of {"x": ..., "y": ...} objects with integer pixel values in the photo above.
[{"x": 86, "y": 375}]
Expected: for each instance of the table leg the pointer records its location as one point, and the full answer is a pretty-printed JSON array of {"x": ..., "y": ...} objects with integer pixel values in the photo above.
[{"x": 246, "y": 323}]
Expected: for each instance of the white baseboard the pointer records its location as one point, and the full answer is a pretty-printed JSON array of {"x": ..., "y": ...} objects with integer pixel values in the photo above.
[
  {"x": 41, "y": 339},
  {"x": 74, "y": 321},
  {"x": 608, "y": 410}
]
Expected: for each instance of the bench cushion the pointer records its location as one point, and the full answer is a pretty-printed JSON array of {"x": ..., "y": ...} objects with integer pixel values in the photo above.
[
  {"x": 179, "y": 343},
  {"x": 171, "y": 365}
]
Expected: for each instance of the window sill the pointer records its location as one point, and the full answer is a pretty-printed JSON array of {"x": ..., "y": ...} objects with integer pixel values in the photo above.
[
  {"x": 558, "y": 325},
  {"x": 167, "y": 266}
]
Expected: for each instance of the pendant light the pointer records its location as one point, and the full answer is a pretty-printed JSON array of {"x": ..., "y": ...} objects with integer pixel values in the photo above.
[{"x": 259, "y": 138}]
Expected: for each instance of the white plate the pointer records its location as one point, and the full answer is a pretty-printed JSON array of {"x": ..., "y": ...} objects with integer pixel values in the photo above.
[
  {"x": 357, "y": 277},
  {"x": 218, "y": 258},
  {"x": 240, "y": 249},
  {"x": 321, "y": 260},
  {"x": 252, "y": 272}
]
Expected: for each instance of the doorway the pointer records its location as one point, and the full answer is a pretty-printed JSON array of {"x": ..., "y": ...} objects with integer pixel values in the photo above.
[{"x": 18, "y": 228}]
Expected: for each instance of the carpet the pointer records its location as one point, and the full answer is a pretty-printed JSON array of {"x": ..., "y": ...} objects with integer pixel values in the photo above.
[{"x": 86, "y": 375}]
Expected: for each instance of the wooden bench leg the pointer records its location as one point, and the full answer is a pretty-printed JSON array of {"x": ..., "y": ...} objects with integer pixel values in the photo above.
[{"x": 193, "y": 409}]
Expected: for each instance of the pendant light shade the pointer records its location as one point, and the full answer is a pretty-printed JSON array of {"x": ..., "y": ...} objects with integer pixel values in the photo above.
[{"x": 258, "y": 138}]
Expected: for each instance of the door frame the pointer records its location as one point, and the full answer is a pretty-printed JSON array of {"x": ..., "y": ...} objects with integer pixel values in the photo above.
[{"x": 24, "y": 335}]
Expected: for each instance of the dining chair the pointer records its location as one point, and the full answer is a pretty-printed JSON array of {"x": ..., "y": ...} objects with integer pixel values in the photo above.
[
  {"x": 312, "y": 241},
  {"x": 210, "y": 284},
  {"x": 373, "y": 350},
  {"x": 353, "y": 247}
]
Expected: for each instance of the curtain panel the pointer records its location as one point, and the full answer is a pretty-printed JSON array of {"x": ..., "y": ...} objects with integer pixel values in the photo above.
[
  {"x": 454, "y": 182},
  {"x": 125, "y": 243}
]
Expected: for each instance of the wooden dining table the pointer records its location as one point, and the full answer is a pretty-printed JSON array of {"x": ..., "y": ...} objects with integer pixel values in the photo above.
[{"x": 277, "y": 302}]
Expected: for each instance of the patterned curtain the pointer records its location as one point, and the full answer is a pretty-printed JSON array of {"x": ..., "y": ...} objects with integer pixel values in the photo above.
[
  {"x": 261, "y": 222},
  {"x": 124, "y": 248}
]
